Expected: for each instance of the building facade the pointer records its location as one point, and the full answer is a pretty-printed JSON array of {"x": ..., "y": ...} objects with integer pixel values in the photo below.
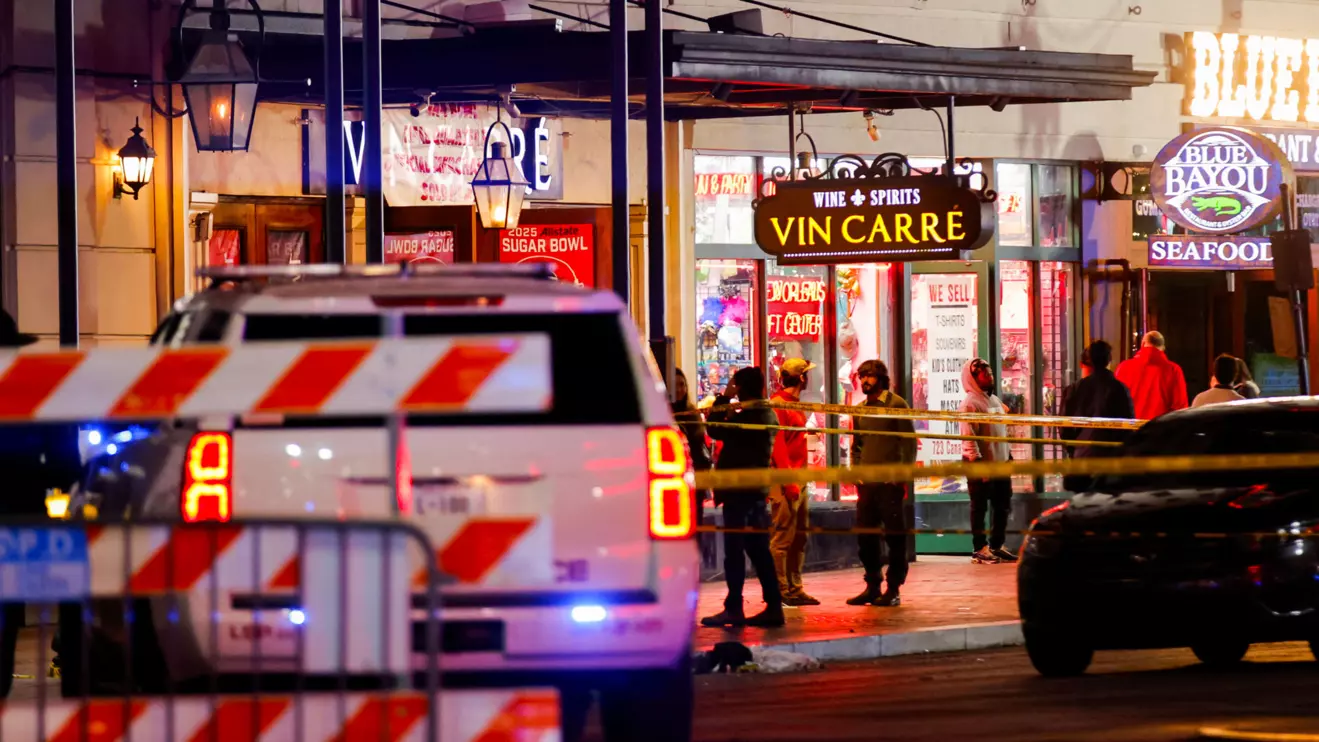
[{"x": 1070, "y": 261}]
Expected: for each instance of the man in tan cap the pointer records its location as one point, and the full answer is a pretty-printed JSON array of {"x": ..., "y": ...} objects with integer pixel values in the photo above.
[{"x": 788, "y": 503}]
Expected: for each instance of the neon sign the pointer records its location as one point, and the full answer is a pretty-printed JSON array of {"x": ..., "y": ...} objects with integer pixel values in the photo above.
[{"x": 1263, "y": 78}]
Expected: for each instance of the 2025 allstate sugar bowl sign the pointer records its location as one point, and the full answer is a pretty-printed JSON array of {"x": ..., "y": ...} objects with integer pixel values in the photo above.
[
  {"x": 1220, "y": 180},
  {"x": 866, "y": 220},
  {"x": 570, "y": 248}
]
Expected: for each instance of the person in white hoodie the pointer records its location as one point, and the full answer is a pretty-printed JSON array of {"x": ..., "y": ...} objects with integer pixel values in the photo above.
[{"x": 993, "y": 496}]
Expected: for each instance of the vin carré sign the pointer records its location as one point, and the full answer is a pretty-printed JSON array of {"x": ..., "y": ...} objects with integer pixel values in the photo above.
[
  {"x": 886, "y": 220},
  {"x": 1220, "y": 180}
]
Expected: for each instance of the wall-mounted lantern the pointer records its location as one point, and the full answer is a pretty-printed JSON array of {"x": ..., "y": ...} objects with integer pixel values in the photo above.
[{"x": 136, "y": 161}]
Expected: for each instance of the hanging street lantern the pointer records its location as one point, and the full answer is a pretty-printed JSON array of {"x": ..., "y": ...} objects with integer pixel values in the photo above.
[
  {"x": 498, "y": 185},
  {"x": 220, "y": 87},
  {"x": 136, "y": 160}
]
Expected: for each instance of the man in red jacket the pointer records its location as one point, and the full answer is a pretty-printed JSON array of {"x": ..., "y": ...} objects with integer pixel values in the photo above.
[
  {"x": 1157, "y": 384},
  {"x": 788, "y": 503}
]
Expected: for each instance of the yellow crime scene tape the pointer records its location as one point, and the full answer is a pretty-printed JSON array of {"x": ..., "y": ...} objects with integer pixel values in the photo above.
[
  {"x": 760, "y": 478},
  {"x": 945, "y": 415},
  {"x": 951, "y": 416},
  {"x": 900, "y": 434}
]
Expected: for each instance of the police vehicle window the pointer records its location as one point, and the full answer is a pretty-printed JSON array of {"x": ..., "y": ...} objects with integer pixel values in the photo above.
[
  {"x": 165, "y": 330},
  {"x": 591, "y": 367},
  {"x": 311, "y": 326},
  {"x": 206, "y": 327}
]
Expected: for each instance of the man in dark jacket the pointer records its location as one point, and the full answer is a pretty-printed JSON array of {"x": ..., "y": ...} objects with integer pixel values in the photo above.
[
  {"x": 1098, "y": 395},
  {"x": 745, "y": 448},
  {"x": 33, "y": 458},
  {"x": 880, "y": 504}
]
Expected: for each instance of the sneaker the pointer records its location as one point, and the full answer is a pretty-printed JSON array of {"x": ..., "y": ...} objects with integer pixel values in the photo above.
[
  {"x": 770, "y": 618},
  {"x": 985, "y": 556},
  {"x": 1004, "y": 555},
  {"x": 725, "y": 617},
  {"x": 889, "y": 599},
  {"x": 800, "y": 599}
]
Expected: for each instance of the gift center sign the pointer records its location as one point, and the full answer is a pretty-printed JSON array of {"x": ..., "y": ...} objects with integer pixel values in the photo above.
[
  {"x": 795, "y": 307},
  {"x": 872, "y": 220},
  {"x": 1219, "y": 180}
]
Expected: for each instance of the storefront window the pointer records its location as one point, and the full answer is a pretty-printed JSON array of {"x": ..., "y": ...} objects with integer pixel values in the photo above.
[
  {"x": 726, "y": 329},
  {"x": 943, "y": 338},
  {"x": 786, "y": 166},
  {"x": 1056, "y": 342},
  {"x": 1015, "y": 355},
  {"x": 1055, "y": 197},
  {"x": 224, "y": 249},
  {"x": 1307, "y": 205},
  {"x": 1014, "y": 203},
  {"x": 864, "y": 297},
  {"x": 725, "y": 188},
  {"x": 795, "y": 325}
]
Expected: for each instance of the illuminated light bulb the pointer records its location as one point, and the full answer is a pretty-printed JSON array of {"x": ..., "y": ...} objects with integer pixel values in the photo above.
[
  {"x": 1312, "y": 88},
  {"x": 1286, "y": 102},
  {"x": 1231, "y": 101},
  {"x": 500, "y": 213},
  {"x": 221, "y": 109},
  {"x": 1208, "y": 60},
  {"x": 1258, "y": 87}
]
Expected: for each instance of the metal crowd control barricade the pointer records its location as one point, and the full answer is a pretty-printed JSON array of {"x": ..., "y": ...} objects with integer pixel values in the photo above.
[{"x": 274, "y": 630}]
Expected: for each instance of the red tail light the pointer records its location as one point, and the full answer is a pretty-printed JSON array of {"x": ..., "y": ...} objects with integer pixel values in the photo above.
[
  {"x": 672, "y": 508},
  {"x": 208, "y": 470}
]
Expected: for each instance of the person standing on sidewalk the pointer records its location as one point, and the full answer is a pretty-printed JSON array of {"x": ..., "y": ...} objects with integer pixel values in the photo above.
[
  {"x": 1157, "y": 385},
  {"x": 35, "y": 458},
  {"x": 987, "y": 495},
  {"x": 1220, "y": 389},
  {"x": 745, "y": 448},
  {"x": 880, "y": 504},
  {"x": 1099, "y": 394},
  {"x": 692, "y": 425},
  {"x": 787, "y": 504}
]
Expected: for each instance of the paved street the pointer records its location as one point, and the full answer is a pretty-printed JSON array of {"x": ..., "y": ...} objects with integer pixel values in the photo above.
[
  {"x": 996, "y": 695},
  {"x": 940, "y": 591}
]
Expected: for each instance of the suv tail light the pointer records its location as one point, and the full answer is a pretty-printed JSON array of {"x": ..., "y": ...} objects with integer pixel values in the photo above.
[
  {"x": 669, "y": 467},
  {"x": 208, "y": 470}
]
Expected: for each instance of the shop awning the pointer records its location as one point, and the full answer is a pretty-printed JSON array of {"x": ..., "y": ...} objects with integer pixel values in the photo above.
[{"x": 709, "y": 75}]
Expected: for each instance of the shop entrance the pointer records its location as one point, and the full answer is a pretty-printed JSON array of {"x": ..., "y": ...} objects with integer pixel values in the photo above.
[
  {"x": 1201, "y": 316},
  {"x": 267, "y": 232}
]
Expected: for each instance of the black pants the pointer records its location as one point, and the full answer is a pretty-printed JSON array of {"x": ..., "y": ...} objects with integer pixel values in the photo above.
[
  {"x": 11, "y": 620},
  {"x": 880, "y": 506},
  {"x": 995, "y": 497},
  {"x": 744, "y": 512}
]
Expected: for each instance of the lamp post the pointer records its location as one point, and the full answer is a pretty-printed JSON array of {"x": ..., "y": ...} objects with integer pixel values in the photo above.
[
  {"x": 498, "y": 187},
  {"x": 220, "y": 87},
  {"x": 136, "y": 161}
]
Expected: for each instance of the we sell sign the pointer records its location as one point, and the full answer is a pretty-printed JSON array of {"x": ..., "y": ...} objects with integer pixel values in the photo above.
[{"x": 570, "y": 248}]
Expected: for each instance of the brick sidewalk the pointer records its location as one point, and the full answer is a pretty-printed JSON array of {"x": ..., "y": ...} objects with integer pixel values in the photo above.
[{"x": 940, "y": 592}]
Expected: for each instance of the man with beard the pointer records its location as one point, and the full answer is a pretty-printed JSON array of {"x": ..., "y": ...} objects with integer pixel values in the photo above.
[
  {"x": 993, "y": 495},
  {"x": 880, "y": 504}
]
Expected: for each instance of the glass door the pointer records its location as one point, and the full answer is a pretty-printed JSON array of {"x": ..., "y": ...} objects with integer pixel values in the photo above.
[{"x": 949, "y": 303}]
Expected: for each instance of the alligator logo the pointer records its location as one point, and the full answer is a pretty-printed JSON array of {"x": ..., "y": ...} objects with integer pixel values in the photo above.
[{"x": 1222, "y": 205}]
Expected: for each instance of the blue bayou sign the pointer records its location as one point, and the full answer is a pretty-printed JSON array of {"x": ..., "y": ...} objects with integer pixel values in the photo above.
[{"x": 1220, "y": 180}]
